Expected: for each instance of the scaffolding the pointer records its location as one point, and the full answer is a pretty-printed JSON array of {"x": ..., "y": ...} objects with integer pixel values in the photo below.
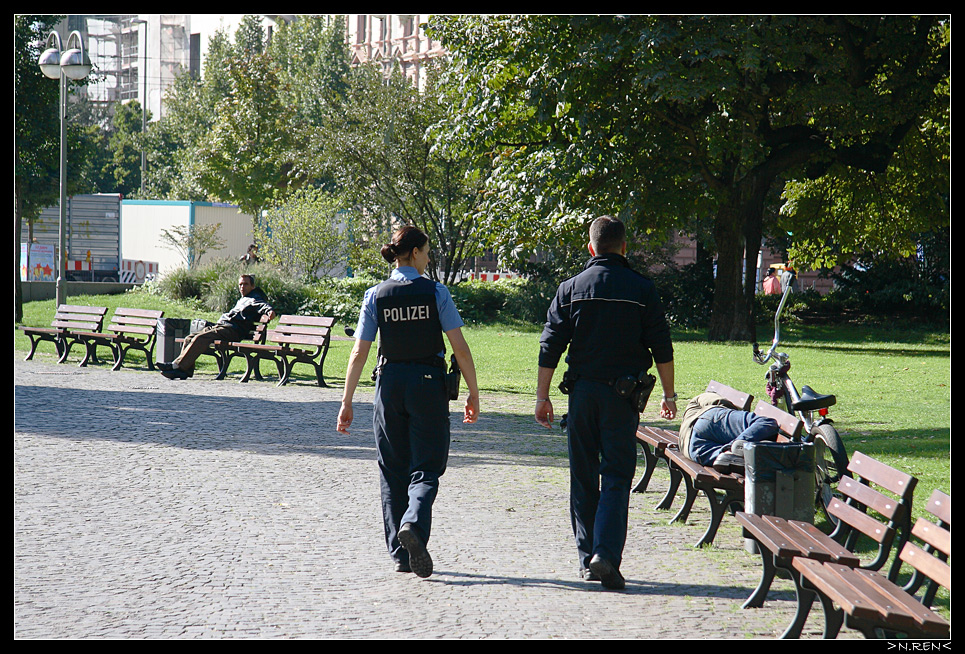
[{"x": 124, "y": 68}]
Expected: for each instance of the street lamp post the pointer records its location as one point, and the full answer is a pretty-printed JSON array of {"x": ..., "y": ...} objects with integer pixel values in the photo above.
[{"x": 56, "y": 63}]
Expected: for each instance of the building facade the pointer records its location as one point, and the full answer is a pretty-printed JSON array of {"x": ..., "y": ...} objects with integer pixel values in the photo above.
[
  {"x": 390, "y": 39},
  {"x": 138, "y": 56}
]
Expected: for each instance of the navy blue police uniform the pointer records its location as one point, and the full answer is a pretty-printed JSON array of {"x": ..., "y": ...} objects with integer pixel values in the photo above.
[
  {"x": 411, "y": 409},
  {"x": 613, "y": 322}
]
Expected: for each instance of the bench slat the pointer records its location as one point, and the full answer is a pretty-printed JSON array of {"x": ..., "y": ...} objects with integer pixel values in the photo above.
[
  {"x": 76, "y": 324},
  {"x": 838, "y": 553},
  {"x": 772, "y": 538},
  {"x": 940, "y": 506},
  {"x": 303, "y": 329},
  {"x": 897, "y": 482},
  {"x": 867, "y": 496},
  {"x": 139, "y": 313},
  {"x": 802, "y": 541},
  {"x": 828, "y": 580},
  {"x": 930, "y": 566},
  {"x": 136, "y": 329},
  {"x": 790, "y": 425},
  {"x": 80, "y": 308},
  {"x": 739, "y": 399},
  {"x": 297, "y": 339},
  {"x": 318, "y": 321},
  {"x": 932, "y": 534},
  {"x": 905, "y": 611},
  {"x": 875, "y": 529},
  {"x": 133, "y": 320}
]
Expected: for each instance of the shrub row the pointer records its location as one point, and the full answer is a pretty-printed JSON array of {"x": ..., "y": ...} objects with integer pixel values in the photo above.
[{"x": 687, "y": 294}]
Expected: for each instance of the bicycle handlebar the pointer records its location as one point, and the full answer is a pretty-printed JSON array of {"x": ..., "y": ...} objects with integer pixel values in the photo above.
[{"x": 787, "y": 280}]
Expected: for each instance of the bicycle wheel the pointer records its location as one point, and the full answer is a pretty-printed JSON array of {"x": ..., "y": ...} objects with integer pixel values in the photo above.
[{"x": 831, "y": 464}]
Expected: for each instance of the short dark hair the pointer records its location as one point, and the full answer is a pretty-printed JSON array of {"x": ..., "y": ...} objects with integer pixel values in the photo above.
[
  {"x": 250, "y": 278},
  {"x": 607, "y": 234}
]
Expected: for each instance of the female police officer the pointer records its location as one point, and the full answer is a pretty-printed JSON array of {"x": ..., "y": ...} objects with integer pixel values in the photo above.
[{"x": 411, "y": 409}]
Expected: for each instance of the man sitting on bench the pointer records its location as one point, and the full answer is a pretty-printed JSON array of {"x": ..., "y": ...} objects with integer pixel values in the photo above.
[
  {"x": 235, "y": 325},
  {"x": 713, "y": 431}
]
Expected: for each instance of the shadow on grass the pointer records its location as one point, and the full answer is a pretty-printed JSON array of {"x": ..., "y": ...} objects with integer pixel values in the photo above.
[{"x": 848, "y": 338}]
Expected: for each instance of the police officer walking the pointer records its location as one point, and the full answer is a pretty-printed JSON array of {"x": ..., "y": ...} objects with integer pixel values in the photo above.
[
  {"x": 613, "y": 322},
  {"x": 410, "y": 313}
]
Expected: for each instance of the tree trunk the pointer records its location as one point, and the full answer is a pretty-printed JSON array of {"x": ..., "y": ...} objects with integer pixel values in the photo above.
[
  {"x": 729, "y": 311},
  {"x": 737, "y": 230},
  {"x": 753, "y": 233},
  {"x": 17, "y": 234}
]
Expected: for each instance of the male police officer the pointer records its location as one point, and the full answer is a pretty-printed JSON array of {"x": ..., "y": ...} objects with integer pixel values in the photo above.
[{"x": 613, "y": 322}]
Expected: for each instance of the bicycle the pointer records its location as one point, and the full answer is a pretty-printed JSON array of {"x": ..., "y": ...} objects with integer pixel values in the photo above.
[{"x": 808, "y": 405}]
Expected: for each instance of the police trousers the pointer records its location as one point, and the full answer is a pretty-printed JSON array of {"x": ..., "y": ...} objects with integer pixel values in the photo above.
[
  {"x": 411, "y": 424},
  {"x": 601, "y": 436}
]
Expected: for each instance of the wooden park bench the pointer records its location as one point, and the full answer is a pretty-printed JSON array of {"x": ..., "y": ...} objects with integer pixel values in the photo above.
[
  {"x": 782, "y": 541},
  {"x": 129, "y": 329},
  {"x": 296, "y": 339},
  {"x": 723, "y": 490},
  {"x": 655, "y": 440},
  {"x": 223, "y": 351},
  {"x": 68, "y": 319},
  {"x": 873, "y": 604}
]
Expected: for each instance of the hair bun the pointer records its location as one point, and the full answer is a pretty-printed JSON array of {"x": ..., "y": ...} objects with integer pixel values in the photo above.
[{"x": 388, "y": 252}]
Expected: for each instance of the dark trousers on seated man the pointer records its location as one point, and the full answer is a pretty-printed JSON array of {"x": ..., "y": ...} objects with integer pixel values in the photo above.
[
  {"x": 196, "y": 343},
  {"x": 718, "y": 427}
]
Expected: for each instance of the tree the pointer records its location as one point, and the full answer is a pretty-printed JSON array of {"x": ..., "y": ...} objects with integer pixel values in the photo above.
[
  {"x": 243, "y": 132},
  {"x": 173, "y": 142},
  {"x": 882, "y": 214},
  {"x": 376, "y": 147},
  {"x": 305, "y": 234},
  {"x": 192, "y": 241},
  {"x": 256, "y": 145},
  {"x": 124, "y": 144},
  {"x": 663, "y": 118},
  {"x": 250, "y": 37},
  {"x": 313, "y": 62},
  {"x": 36, "y": 135}
]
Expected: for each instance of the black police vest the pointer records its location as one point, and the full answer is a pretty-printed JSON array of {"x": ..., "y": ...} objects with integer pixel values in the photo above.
[{"x": 409, "y": 327}]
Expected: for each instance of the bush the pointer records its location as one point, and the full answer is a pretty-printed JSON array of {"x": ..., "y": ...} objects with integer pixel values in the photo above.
[
  {"x": 340, "y": 298},
  {"x": 506, "y": 300},
  {"x": 478, "y": 301},
  {"x": 215, "y": 286}
]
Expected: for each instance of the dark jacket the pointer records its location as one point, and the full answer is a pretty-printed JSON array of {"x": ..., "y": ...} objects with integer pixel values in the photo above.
[
  {"x": 247, "y": 311},
  {"x": 611, "y": 318}
]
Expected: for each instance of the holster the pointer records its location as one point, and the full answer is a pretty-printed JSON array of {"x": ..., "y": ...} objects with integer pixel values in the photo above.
[
  {"x": 566, "y": 384},
  {"x": 641, "y": 394},
  {"x": 453, "y": 378}
]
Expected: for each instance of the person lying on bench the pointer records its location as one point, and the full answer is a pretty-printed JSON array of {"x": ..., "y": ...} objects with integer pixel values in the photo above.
[
  {"x": 713, "y": 431},
  {"x": 236, "y": 325}
]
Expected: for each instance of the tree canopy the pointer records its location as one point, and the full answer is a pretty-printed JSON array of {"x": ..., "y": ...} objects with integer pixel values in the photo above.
[
  {"x": 375, "y": 146},
  {"x": 670, "y": 120}
]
